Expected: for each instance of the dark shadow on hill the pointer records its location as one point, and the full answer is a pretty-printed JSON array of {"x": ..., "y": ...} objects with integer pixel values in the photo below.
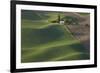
[
  {"x": 56, "y": 52},
  {"x": 33, "y": 15},
  {"x": 32, "y": 37}
]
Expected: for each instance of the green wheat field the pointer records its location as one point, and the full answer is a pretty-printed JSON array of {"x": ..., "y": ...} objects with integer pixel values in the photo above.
[{"x": 45, "y": 39}]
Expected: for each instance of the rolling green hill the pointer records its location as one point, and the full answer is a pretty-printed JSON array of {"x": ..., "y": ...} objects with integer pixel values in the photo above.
[{"x": 44, "y": 41}]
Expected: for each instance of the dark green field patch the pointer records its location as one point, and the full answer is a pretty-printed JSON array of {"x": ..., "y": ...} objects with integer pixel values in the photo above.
[
  {"x": 31, "y": 37},
  {"x": 33, "y": 15},
  {"x": 59, "y": 53}
]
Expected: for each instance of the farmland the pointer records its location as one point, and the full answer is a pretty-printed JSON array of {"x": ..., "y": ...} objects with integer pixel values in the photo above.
[{"x": 43, "y": 40}]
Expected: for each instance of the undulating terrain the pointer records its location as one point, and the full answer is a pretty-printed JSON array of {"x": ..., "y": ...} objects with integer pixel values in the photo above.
[{"x": 44, "y": 38}]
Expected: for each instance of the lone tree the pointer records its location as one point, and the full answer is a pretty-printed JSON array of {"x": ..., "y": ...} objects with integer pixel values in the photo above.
[{"x": 58, "y": 18}]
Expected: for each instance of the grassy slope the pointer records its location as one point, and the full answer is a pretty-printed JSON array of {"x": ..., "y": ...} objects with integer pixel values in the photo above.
[{"x": 43, "y": 41}]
